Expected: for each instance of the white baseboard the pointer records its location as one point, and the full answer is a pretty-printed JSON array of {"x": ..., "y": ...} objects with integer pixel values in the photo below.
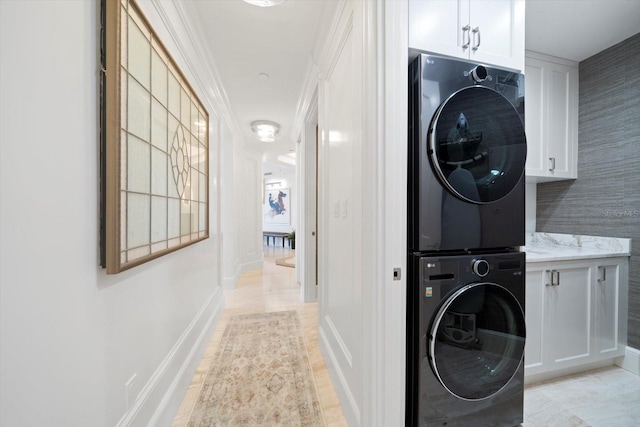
[
  {"x": 630, "y": 361},
  {"x": 253, "y": 265},
  {"x": 230, "y": 282},
  {"x": 162, "y": 395},
  {"x": 347, "y": 401},
  {"x": 559, "y": 373}
]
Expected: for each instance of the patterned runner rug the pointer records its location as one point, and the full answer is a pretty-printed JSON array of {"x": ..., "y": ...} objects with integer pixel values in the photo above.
[{"x": 260, "y": 376}]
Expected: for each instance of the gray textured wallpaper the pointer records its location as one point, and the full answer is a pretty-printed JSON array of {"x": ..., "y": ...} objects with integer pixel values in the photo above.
[{"x": 605, "y": 199}]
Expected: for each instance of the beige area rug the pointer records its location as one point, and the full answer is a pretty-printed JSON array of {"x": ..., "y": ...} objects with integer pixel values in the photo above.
[
  {"x": 286, "y": 262},
  {"x": 260, "y": 376}
]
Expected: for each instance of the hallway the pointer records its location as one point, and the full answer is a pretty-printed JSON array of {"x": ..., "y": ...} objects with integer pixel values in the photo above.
[{"x": 271, "y": 289}]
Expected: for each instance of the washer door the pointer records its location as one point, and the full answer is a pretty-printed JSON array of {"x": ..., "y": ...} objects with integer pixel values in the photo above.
[
  {"x": 477, "y": 144},
  {"x": 476, "y": 340}
]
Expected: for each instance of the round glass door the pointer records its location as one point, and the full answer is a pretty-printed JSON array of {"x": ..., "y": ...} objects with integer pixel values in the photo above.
[
  {"x": 476, "y": 341},
  {"x": 477, "y": 144}
]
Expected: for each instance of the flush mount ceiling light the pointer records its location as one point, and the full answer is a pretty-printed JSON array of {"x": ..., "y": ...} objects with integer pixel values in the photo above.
[
  {"x": 265, "y": 130},
  {"x": 264, "y": 3}
]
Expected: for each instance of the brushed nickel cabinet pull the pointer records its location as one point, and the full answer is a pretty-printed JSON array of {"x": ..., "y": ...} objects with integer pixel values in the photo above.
[
  {"x": 465, "y": 30},
  {"x": 476, "y": 30},
  {"x": 550, "y": 277},
  {"x": 603, "y": 278}
]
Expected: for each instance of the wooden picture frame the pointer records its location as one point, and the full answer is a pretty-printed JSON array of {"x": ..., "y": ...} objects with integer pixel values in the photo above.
[{"x": 154, "y": 145}]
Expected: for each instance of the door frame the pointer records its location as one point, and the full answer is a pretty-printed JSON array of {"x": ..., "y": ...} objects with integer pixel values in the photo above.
[{"x": 307, "y": 239}]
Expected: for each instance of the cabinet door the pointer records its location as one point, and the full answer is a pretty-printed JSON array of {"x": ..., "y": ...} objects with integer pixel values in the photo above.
[
  {"x": 436, "y": 26},
  {"x": 534, "y": 316},
  {"x": 569, "y": 319},
  {"x": 534, "y": 117},
  {"x": 562, "y": 121},
  {"x": 551, "y": 117},
  {"x": 610, "y": 310},
  {"x": 497, "y": 32}
]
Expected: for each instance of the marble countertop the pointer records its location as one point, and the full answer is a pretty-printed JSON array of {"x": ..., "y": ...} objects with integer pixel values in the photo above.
[{"x": 544, "y": 247}]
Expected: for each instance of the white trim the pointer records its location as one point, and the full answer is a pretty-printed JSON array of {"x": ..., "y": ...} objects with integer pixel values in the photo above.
[
  {"x": 392, "y": 293},
  {"x": 338, "y": 339},
  {"x": 373, "y": 202},
  {"x": 230, "y": 282},
  {"x": 563, "y": 372},
  {"x": 161, "y": 396},
  {"x": 549, "y": 58},
  {"x": 308, "y": 100},
  {"x": 630, "y": 361},
  {"x": 337, "y": 42},
  {"x": 323, "y": 51},
  {"x": 250, "y": 266},
  {"x": 306, "y": 255},
  {"x": 351, "y": 411}
]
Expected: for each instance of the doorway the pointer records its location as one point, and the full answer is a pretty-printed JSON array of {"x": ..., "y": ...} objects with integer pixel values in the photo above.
[{"x": 307, "y": 253}]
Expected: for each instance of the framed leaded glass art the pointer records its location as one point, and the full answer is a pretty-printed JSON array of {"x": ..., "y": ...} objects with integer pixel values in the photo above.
[{"x": 154, "y": 145}]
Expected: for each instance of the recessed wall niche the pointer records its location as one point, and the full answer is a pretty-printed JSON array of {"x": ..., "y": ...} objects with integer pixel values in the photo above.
[{"x": 154, "y": 145}]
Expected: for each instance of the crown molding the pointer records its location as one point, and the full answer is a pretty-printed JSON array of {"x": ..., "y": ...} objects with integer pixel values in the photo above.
[{"x": 306, "y": 100}]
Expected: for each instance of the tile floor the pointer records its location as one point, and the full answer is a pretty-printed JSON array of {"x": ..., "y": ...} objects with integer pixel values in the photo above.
[{"x": 608, "y": 397}]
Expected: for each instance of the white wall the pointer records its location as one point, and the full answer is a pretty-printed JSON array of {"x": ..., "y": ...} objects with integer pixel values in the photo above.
[
  {"x": 248, "y": 189},
  {"x": 241, "y": 215},
  {"x": 340, "y": 212},
  {"x": 71, "y": 336},
  {"x": 229, "y": 210}
]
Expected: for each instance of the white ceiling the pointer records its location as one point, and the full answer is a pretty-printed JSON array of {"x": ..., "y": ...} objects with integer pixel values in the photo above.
[
  {"x": 245, "y": 41},
  {"x": 578, "y": 29}
]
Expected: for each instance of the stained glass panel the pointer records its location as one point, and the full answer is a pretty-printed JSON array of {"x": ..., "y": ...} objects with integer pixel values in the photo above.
[
  {"x": 158, "y": 78},
  {"x": 139, "y": 55},
  {"x": 158, "y": 172},
  {"x": 139, "y": 165},
  {"x": 138, "y": 219},
  {"x": 139, "y": 105},
  {"x": 174, "y": 96},
  {"x": 155, "y": 145},
  {"x": 173, "y": 218},
  {"x": 159, "y": 125},
  {"x": 158, "y": 219}
]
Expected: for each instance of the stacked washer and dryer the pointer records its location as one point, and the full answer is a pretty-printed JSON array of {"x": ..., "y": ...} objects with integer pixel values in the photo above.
[{"x": 466, "y": 222}]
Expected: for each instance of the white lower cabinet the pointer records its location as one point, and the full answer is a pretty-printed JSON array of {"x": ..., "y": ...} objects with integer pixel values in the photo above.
[
  {"x": 575, "y": 313},
  {"x": 611, "y": 308}
]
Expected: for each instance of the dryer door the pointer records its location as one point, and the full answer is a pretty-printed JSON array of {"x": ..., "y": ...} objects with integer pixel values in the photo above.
[
  {"x": 476, "y": 340},
  {"x": 477, "y": 144}
]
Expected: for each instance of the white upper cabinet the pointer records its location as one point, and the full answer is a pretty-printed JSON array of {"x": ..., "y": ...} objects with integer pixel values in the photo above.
[
  {"x": 551, "y": 117},
  {"x": 489, "y": 32}
]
